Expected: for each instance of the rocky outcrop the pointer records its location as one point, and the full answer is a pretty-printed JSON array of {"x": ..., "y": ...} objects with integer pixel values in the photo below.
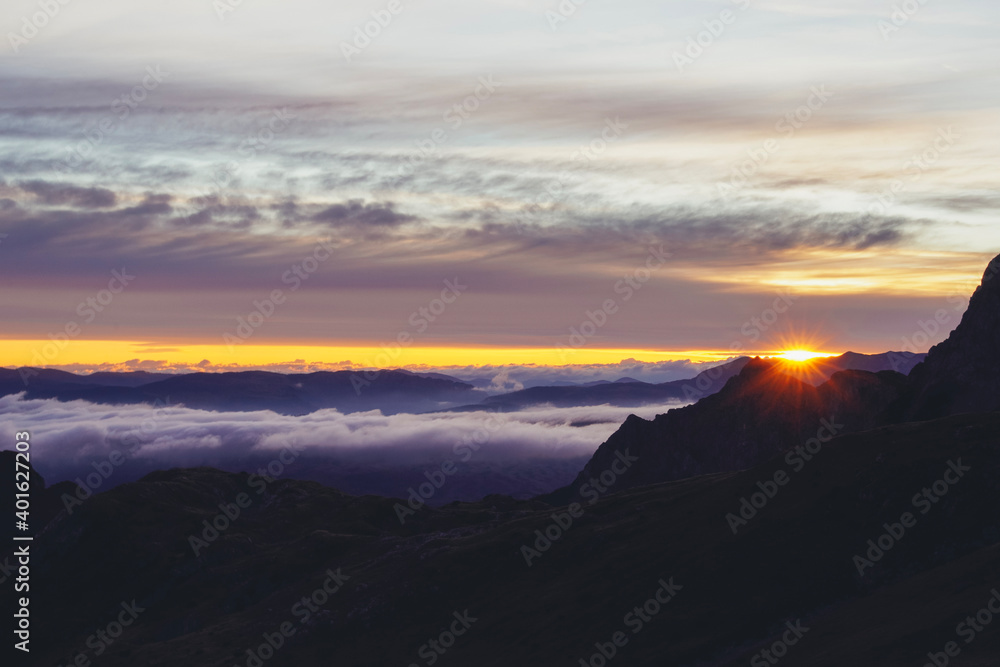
[
  {"x": 761, "y": 413},
  {"x": 766, "y": 410},
  {"x": 962, "y": 374}
]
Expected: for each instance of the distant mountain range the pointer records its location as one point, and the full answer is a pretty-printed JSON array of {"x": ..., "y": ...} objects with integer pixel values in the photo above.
[
  {"x": 391, "y": 391},
  {"x": 632, "y": 393},
  {"x": 347, "y": 391}
]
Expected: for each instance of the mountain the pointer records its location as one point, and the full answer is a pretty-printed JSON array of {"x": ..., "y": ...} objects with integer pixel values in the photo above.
[
  {"x": 622, "y": 393},
  {"x": 13, "y": 381},
  {"x": 392, "y": 391},
  {"x": 398, "y": 587},
  {"x": 901, "y": 362},
  {"x": 962, "y": 374},
  {"x": 296, "y": 394},
  {"x": 761, "y": 413},
  {"x": 767, "y": 410},
  {"x": 128, "y": 379},
  {"x": 628, "y": 392}
]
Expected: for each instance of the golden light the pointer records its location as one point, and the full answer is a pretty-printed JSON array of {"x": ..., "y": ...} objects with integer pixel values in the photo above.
[
  {"x": 803, "y": 355},
  {"x": 800, "y": 346},
  {"x": 96, "y": 352}
]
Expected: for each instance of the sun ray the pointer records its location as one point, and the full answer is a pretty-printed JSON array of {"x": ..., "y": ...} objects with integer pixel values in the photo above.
[{"x": 804, "y": 355}]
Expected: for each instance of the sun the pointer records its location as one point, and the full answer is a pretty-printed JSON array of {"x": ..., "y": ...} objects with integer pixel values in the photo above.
[{"x": 803, "y": 355}]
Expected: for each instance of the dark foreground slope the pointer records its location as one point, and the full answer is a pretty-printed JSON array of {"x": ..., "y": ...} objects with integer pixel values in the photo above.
[
  {"x": 793, "y": 561},
  {"x": 760, "y": 414}
]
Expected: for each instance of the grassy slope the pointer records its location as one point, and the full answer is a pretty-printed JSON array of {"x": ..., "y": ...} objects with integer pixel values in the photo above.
[{"x": 793, "y": 561}]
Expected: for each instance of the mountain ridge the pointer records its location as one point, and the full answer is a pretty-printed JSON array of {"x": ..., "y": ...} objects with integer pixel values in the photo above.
[{"x": 739, "y": 426}]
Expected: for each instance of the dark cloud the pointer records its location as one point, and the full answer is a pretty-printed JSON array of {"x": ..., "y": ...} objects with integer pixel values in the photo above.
[
  {"x": 63, "y": 194},
  {"x": 693, "y": 234},
  {"x": 966, "y": 202},
  {"x": 356, "y": 213},
  {"x": 217, "y": 242}
]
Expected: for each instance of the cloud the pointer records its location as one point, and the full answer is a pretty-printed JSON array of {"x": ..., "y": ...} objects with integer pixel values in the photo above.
[
  {"x": 502, "y": 379},
  {"x": 63, "y": 194},
  {"x": 144, "y": 196},
  {"x": 503, "y": 383},
  {"x": 69, "y": 438},
  {"x": 208, "y": 243},
  {"x": 357, "y": 213}
]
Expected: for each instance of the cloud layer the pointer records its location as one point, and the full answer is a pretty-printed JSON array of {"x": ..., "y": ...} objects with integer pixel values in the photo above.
[{"x": 68, "y": 439}]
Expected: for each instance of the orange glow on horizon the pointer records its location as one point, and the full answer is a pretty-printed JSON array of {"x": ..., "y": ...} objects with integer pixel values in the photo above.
[
  {"x": 804, "y": 355},
  {"x": 41, "y": 353}
]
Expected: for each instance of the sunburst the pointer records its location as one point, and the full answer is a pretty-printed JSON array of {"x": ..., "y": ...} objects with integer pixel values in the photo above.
[{"x": 803, "y": 355}]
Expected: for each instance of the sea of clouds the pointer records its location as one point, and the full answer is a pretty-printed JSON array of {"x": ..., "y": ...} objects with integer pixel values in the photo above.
[{"x": 69, "y": 439}]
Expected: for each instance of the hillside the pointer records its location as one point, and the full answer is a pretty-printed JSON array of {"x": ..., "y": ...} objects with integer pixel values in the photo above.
[{"x": 794, "y": 560}]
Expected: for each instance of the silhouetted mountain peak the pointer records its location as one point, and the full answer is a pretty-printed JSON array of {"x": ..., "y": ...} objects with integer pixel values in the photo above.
[
  {"x": 758, "y": 370},
  {"x": 760, "y": 413},
  {"x": 962, "y": 374}
]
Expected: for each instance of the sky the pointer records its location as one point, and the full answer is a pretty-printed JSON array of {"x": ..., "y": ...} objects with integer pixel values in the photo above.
[{"x": 205, "y": 185}]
